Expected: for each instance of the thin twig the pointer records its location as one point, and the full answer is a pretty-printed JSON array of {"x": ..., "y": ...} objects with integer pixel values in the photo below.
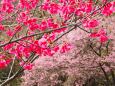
[
  {"x": 105, "y": 74},
  {"x": 11, "y": 68}
]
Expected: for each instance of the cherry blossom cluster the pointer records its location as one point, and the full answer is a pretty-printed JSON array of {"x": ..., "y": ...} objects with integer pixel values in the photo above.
[{"x": 58, "y": 16}]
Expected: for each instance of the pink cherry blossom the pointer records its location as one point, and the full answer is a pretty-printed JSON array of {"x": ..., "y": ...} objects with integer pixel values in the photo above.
[
  {"x": 93, "y": 23},
  {"x": 65, "y": 48},
  {"x": 2, "y": 27},
  {"x": 28, "y": 66},
  {"x": 103, "y": 38},
  {"x": 3, "y": 64},
  {"x": 109, "y": 9}
]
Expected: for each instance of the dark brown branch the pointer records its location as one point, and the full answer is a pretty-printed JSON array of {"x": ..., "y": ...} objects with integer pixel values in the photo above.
[
  {"x": 48, "y": 31},
  {"x": 64, "y": 34},
  {"x": 105, "y": 74},
  {"x": 113, "y": 76}
]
